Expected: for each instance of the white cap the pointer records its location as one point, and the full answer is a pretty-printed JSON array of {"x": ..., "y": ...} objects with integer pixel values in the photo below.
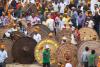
[
  {"x": 64, "y": 38},
  {"x": 73, "y": 8},
  {"x": 47, "y": 46}
]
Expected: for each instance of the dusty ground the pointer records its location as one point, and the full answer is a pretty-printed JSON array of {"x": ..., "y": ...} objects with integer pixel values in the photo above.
[
  {"x": 20, "y": 65},
  {"x": 26, "y": 65}
]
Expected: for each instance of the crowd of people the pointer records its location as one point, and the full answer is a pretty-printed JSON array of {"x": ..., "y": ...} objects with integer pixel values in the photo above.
[
  {"x": 57, "y": 15},
  {"x": 54, "y": 14}
]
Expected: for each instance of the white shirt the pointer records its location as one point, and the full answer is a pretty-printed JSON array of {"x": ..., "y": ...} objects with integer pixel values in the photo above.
[
  {"x": 32, "y": 1},
  {"x": 25, "y": 32},
  {"x": 13, "y": 30},
  {"x": 9, "y": 3},
  {"x": 10, "y": 31},
  {"x": 68, "y": 65},
  {"x": 35, "y": 20},
  {"x": 37, "y": 37},
  {"x": 90, "y": 24},
  {"x": 73, "y": 41},
  {"x": 61, "y": 25},
  {"x": 48, "y": 0},
  {"x": 28, "y": 18},
  {"x": 72, "y": 28},
  {"x": 17, "y": 1},
  {"x": 55, "y": 7},
  {"x": 93, "y": 2},
  {"x": 66, "y": 2},
  {"x": 62, "y": 7},
  {"x": 7, "y": 34},
  {"x": 50, "y": 24},
  {"x": 3, "y": 56},
  {"x": 84, "y": 56}
]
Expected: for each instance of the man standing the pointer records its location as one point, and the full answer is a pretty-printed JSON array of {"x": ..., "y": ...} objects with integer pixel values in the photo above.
[
  {"x": 3, "y": 56},
  {"x": 50, "y": 23},
  {"x": 92, "y": 58},
  {"x": 97, "y": 22},
  {"x": 80, "y": 20},
  {"x": 62, "y": 7},
  {"x": 85, "y": 56},
  {"x": 74, "y": 16},
  {"x": 46, "y": 57},
  {"x": 55, "y": 6},
  {"x": 92, "y": 8}
]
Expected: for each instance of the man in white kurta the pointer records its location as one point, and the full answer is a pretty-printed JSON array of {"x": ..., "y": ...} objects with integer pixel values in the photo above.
[
  {"x": 3, "y": 56},
  {"x": 62, "y": 7},
  {"x": 55, "y": 7},
  {"x": 37, "y": 37},
  {"x": 93, "y": 2},
  {"x": 50, "y": 23}
]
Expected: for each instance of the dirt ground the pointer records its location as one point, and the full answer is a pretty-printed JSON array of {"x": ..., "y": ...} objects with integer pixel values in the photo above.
[
  {"x": 26, "y": 65},
  {"x": 21, "y": 65}
]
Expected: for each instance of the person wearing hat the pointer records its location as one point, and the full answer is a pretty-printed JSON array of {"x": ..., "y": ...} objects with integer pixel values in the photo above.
[
  {"x": 46, "y": 56},
  {"x": 3, "y": 55}
]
